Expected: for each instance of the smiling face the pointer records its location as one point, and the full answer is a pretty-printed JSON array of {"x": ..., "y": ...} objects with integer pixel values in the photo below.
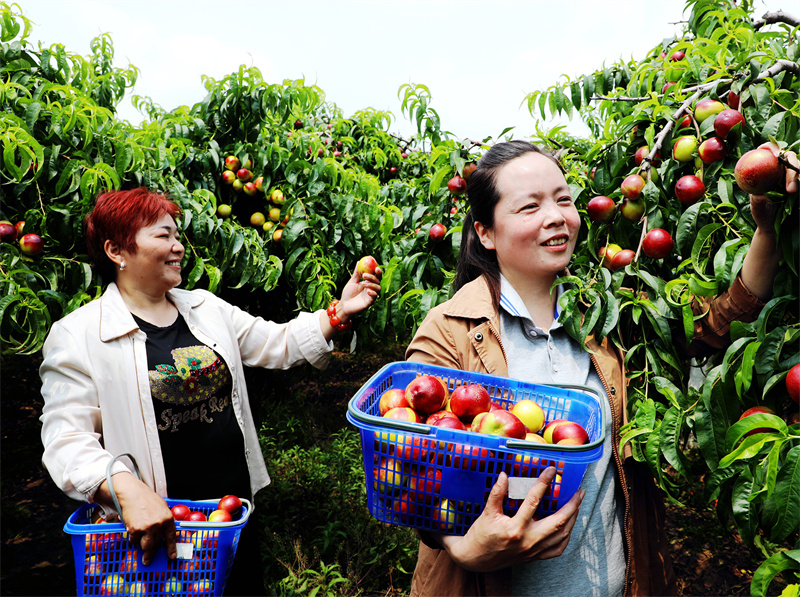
[
  {"x": 155, "y": 267},
  {"x": 536, "y": 222}
]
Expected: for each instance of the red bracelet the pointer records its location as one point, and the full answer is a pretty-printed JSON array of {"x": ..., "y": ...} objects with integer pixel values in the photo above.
[{"x": 334, "y": 320}]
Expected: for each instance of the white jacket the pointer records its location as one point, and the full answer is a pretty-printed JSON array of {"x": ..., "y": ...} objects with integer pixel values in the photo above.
[{"x": 97, "y": 401}]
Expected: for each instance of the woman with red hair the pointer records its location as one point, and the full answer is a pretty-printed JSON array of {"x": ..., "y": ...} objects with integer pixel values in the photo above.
[{"x": 158, "y": 372}]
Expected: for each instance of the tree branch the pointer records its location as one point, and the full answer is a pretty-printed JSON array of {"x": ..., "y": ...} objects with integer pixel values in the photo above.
[
  {"x": 780, "y": 65},
  {"x": 776, "y": 17}
]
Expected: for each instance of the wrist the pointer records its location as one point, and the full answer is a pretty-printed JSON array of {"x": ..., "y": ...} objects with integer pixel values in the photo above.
[{"x": 337, "y": 318}]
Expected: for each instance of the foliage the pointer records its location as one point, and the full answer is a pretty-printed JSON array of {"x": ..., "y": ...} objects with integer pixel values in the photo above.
[
  {"x": 314, "y": 512},
  {"x": 646, "y": 309},
  {"x": 62, "y": 145}
]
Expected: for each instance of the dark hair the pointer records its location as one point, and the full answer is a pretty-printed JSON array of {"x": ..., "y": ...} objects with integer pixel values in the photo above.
[
  {"x": 475, "y": 260},
  {"x": 117, "y": 216}
]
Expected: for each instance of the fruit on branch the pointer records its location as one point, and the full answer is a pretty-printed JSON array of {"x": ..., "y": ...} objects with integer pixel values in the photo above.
[
  {"x": 657, "y": 244},
  {"x": 683, "y": 149},
  {"x": 224, "y": 210},
  {"x": 689, "y": 189},
  {"x": 274, "y": 214},
  {"x": 712, "y": 150},
  {"x": 259, "y": 182},
  {"x": 632, "y": 209},
  {"x": 228, "y": 177},
  {"x": 232, "y": 163},
  {"x": 244, "y": 175},
  {"x": 31, "y": 244},
  {"x": 621, "y": 259},
  {"x": 685, "y": 123},
  {"x": 754, "y": 411},
  {"x": 367, "y": 265},
  {"x": 298, "y": 124},
  {"x": 666, "y": 87},
  {"x": 457, "y": 185},
  {"x": 733, "y": 99},
  {"x": 257, "y": 219},
  {"x": 725, "y": 122},
  {"x": 277, "y": 235},
  {"x": 793, "y": 383},
  {"x": 437, "y": 232},
  {"x": 8, "y": 234},
  {"x": 601, "y": 209},
  {"x": 707, "y": 108},
  {"x": 276, "y": 196},
  {"x": 468, "y": 169},
  {"x": 606, "y": 254},
  {"x": 250, "y": 189},
  {"x": 758, "y": 171},
  {"x": 642, "y": 153},
  {"x": 632, "y": 186},
  {"x": 237, "y": 185},
  {"x": 677, "y": 55}
]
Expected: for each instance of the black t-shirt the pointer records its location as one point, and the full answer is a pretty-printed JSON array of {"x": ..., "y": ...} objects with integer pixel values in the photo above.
[{"x": 201, "y": 442}]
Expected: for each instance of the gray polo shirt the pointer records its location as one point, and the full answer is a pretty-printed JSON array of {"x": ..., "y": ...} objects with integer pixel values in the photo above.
[{"x": 594, "y": 561}]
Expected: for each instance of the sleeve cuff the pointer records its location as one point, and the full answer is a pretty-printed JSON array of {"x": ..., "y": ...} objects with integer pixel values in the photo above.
[{"x": 311, "y": 342}]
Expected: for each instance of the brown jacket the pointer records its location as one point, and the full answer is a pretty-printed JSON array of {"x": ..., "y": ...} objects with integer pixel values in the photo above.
[{"x": 464, "y": 333}]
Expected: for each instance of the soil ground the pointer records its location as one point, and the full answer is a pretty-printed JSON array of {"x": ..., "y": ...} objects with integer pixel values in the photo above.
[{"x": 36, "y": 556}]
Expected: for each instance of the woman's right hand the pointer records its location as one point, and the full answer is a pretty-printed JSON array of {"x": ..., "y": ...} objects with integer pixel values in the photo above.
[
  {"x": 147, "y": 517},
  {"x": 497, "y": 541}
]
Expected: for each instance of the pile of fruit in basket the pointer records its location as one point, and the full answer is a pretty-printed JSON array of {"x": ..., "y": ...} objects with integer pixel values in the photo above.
[{"x": 470, "y": 408}]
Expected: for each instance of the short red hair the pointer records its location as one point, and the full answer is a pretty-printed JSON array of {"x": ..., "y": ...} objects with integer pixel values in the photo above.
[{"x": 117, "y": 216}]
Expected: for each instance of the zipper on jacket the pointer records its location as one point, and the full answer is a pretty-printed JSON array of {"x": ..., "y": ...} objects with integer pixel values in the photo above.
[{"x": 615, "y": 426}]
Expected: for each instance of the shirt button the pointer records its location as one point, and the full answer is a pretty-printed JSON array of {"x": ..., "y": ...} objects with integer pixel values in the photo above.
[
  {"x": 533, "y": 332},
  {"x": 478, "y": 336},
  {"x": 555, "y": 367}
]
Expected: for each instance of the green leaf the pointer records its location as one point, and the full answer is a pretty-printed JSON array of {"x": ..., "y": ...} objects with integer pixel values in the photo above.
[
  {"x": 782, "y": 509},
  {"x": 744, "y": 511},
  {"x": 671, "y": 440},
  {"x": 774, "y": 565}
]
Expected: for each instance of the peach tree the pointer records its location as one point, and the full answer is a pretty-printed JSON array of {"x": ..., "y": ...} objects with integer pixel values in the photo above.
[
  {"x": 330, "y": 189},
  {"x": 663, "y": 150}
]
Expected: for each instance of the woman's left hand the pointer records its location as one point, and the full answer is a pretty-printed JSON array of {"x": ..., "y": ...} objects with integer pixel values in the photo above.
[
  {"x": 761, "y": 262},
  {"x": 359, "y": 293}
]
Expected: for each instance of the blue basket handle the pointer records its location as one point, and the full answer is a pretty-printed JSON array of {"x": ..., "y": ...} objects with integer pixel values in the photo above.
[{"x": 111, "y": 485}]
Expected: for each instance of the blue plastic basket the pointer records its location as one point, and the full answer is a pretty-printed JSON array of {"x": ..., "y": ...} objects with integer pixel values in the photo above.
[
  {"x": 439, "y": 479},
  {"x": 107, "y": 562}
]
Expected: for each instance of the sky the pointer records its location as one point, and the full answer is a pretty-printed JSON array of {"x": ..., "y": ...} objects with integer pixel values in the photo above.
[{"x": 478, "y": 59}]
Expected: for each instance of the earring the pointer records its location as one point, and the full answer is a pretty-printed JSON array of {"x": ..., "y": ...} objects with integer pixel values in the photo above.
[{"x": 122, "y": 266}]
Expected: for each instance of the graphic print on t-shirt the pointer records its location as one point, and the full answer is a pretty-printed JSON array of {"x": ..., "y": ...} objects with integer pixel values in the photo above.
[{"x": 192, "y": 384}]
